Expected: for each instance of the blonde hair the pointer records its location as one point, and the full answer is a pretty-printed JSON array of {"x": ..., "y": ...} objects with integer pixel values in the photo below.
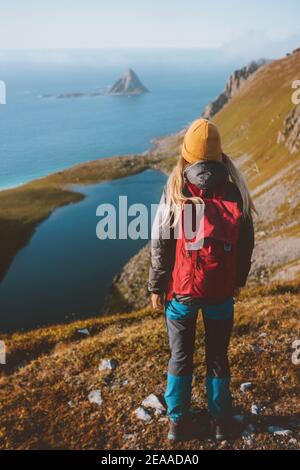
[
  {"x": 175, "y": 197},
  {"x": 238, "y": 179}
]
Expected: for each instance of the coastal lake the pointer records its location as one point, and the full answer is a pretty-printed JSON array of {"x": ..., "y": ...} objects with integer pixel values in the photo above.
[{"x": 65, "y": 271}]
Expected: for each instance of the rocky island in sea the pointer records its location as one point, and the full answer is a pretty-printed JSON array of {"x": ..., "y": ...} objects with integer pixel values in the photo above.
[
  {"x": 72, "y": 94},
  {"x": 128, "y": 84}
]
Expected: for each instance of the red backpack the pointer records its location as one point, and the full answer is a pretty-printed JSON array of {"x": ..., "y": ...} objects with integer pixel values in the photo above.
[{"x": 208, "y": 272}]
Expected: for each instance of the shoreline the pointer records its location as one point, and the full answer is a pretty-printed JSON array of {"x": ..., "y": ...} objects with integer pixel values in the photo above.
[
  {"x": 62, "y": 170},
  {"x": 24, "y": 207},
  {"x": 155, "y": 144}
]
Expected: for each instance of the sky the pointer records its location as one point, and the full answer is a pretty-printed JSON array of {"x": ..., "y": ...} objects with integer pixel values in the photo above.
[{"x": 59, "y": 24}]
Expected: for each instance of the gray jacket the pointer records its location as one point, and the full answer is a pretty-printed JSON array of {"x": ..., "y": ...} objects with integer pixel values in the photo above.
[{"x": 206, "y": 176}]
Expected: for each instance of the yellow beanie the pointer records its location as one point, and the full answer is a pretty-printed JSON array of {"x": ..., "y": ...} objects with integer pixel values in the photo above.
[{"x": 202, "y": 141}]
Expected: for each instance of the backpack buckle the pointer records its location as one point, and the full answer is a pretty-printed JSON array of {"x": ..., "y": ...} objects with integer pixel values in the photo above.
[{"x": 227, "y": 247}]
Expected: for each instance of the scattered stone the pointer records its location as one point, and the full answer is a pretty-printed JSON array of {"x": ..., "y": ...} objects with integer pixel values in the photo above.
[
  {"x": 257, "y": 349},
  {"x": 153, "y": 402},
  {"x": 250, "y": 428},
  {"x": 70, "y": 403},
  {"x": 95, "y": 397},
  {"x": 293, "y": 441},
  {"x": 248, "y": 434},
  {"x": 239, "y": 418},
  {"x": 107, "y": 364},
  {"x": 246, "y": 386},
  {"x": 261, "y": 234},
  {"x": 280, "y": 138},
  {"x": 223, "y": 444},
  {"x": 164, "y": 419},
  {"x": 249, "y": 441},
  {"x": 256, "y": 409},
  {"x": 142, "y": 414},
  {"x": 262, "y": 335},
  {"x": 277, "y": 431},
  {"x": 84, "y": 331}
]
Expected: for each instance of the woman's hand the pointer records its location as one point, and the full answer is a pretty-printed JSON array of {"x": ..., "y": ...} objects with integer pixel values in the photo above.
[
  {"x": 158, "y": 301},
  {"x": 237, "y": 292}
]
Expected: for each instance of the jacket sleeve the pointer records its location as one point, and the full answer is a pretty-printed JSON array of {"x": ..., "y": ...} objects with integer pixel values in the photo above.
[
  {"x": 163, "y": 246},
  {"x": 245, "y": 250}
]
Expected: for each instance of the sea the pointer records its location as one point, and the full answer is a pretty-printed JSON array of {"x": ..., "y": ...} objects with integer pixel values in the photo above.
[{"x": 65, "y": 271}]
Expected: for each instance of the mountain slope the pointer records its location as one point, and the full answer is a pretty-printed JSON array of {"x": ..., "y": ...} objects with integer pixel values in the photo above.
[
  {"x": 252, "y": 125},
  {"x": 251, "y": 121},
  {"x": 233, "y": 85},
  {"x": 260, "y": 128},
  {"x": 50, "y": 373}
]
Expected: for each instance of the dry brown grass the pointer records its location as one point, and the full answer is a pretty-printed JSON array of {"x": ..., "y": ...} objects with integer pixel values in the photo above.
[
  {"x": 52, "y": 366},
  {"x": 250, "y": 122}
]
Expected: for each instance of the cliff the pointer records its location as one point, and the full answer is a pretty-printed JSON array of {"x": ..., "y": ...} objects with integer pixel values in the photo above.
[
  {"x": 235, "y": 82},
  {"x": 290, "y": 133}
]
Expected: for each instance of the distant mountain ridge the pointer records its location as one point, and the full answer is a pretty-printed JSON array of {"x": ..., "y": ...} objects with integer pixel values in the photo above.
[
  {"x": 128, "y": 84},
  {"x": 234, "y": 83}
]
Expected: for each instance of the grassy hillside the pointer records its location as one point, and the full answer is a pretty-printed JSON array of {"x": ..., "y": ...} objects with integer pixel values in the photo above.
[
  {"x": 252, "y": 125},
  {"x": 50, "y": 372},
  {"x": 251, "y": 121}
]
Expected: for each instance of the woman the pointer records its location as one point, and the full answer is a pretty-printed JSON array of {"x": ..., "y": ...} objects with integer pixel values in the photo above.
[{"x": 205, "y": 272}]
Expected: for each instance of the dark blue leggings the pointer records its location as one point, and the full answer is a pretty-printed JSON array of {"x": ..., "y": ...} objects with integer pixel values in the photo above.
[{"x": 181, "y": 326}]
